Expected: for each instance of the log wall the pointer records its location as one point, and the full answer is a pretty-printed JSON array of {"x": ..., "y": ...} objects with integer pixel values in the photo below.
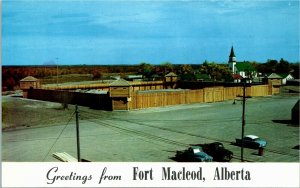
[{"x": 141, "y": 100}]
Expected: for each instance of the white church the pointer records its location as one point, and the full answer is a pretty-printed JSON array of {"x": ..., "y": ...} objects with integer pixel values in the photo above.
[{"x": 240, "y": 69}]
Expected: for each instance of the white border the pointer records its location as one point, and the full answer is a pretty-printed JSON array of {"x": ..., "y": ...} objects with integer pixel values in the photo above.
[{"x": 35, "y": 174}]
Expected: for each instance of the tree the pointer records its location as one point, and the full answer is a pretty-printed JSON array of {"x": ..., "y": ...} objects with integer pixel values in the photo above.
[
  {"x": 9, "y": 83},
  {"x": 167, "y": 67},
  {"x": 211, "y": 69},
  {"x": 271, "y": 65},
  {"x": 146, "y": 69},
  {"x": 215, "y": 71},
  {"x": 185, "y": 69},
  {"x": 96, "y": 74},
  {"x": 283, "y": 66},
  {"x": 295, "y": 69}
]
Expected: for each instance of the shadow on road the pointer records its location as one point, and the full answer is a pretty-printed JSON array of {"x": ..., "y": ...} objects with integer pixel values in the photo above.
[
  {"x": 282, "y": 121},
  {"x": 286, "y": 122},
  {"x": 297, "y": 147}
]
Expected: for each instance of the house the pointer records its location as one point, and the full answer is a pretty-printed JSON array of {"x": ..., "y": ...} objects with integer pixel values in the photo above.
[
  {"x": 285, "y": 77},
  {"x": 237, "y": 78},
  {"x": 244, "y": 69}
]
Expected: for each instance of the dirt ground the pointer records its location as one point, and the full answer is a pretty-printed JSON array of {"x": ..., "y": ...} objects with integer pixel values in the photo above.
[
  {"x": 32, "y": 130},
  {"x": 18, "y": 112}
]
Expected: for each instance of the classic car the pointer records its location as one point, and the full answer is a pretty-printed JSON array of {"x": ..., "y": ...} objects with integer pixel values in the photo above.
[
  {"x": 217, "y": 151},
  {"x": 251, "y": 141},
  {"x": 193, "y": 154}
]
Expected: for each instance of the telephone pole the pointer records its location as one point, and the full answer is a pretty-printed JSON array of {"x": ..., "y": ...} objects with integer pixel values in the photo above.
[
  {"x": 57, "y": 71},
  {"x": 77, "y": 133},
  {"x": 243, "y": 118}
]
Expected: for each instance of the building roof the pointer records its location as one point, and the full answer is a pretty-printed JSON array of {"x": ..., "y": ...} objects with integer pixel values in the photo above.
[
  {"x": 120, "y": 82},
  {"x": 134, "y": 76},
  {"x": 29, "y": 79},
  {"x": 284, "y": 75},
  {"x": 274, "y": 76},
  {"x": 237, "y": 77},
  {"x": 231, "y": 52},
  {"x": 245, "y": 66},
  {"x": 170, "y": 74}
]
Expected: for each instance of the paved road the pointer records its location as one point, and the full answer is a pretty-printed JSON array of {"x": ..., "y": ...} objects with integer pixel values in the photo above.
[{"x": 154, "y": 135}]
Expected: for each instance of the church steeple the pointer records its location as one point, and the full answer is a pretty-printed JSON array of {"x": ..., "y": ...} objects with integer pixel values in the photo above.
[
  {"x": 232, "y": 56},
  {"x": 232, "y": 52},
  {"x": 232, "y": 61}
]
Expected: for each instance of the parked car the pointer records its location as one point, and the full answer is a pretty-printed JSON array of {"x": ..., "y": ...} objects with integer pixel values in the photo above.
[
  {"x": 252, "y": 141},
  {"x": 217, "y": 151},
  {"x": 193, "y": 154}
]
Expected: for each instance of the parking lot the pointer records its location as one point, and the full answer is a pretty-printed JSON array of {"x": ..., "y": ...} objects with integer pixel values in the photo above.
[{"x": 155, "y": 134}]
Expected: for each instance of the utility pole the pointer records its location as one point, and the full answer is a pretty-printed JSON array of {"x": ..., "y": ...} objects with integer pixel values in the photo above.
[
  {"x": 243, "y": 121},
  {"x": 57, "y": 71},
  {"x": 243, "y": 118},
  {"x": 77, "y": 133}
]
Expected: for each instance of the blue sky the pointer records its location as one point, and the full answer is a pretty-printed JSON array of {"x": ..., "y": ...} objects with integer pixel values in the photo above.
[{"x": 130, "y": 32}]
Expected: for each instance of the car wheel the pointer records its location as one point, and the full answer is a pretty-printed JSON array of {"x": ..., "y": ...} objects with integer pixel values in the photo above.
[{"x": 227, "y": 157}]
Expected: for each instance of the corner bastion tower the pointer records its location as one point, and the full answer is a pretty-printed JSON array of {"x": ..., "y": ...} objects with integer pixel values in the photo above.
[{"x": 232, "y": 61}]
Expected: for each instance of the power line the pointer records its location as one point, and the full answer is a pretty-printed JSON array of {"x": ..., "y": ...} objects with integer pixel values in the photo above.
[
  {"x": 137, "y": 132},
  {"x": 59, "y": 135},
  {"x": 157, "y": 120},
  {"x": 141, "y": 133}
]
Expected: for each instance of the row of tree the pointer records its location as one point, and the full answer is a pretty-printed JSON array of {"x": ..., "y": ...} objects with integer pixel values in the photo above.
[
  {"x": 211, "y": 70},
  {"x": 281, "y": 66},
  {"x": 215, "y": 72}
]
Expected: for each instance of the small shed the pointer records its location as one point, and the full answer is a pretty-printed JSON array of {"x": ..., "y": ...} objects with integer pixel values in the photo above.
[
  {"x": 274, "y": 82},
  {"x": 120, "y": 88},
  {"x": 275, "y": 79},
  {"x": 171, "y": 77},
  {"x": 120, "y": 93},
  {"x": 29, "y": 82},
  {"x": 295, "y": 114}
]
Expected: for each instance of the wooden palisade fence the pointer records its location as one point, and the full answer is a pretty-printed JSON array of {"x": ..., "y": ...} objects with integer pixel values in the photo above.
[{"x": 141, "y": 100}]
